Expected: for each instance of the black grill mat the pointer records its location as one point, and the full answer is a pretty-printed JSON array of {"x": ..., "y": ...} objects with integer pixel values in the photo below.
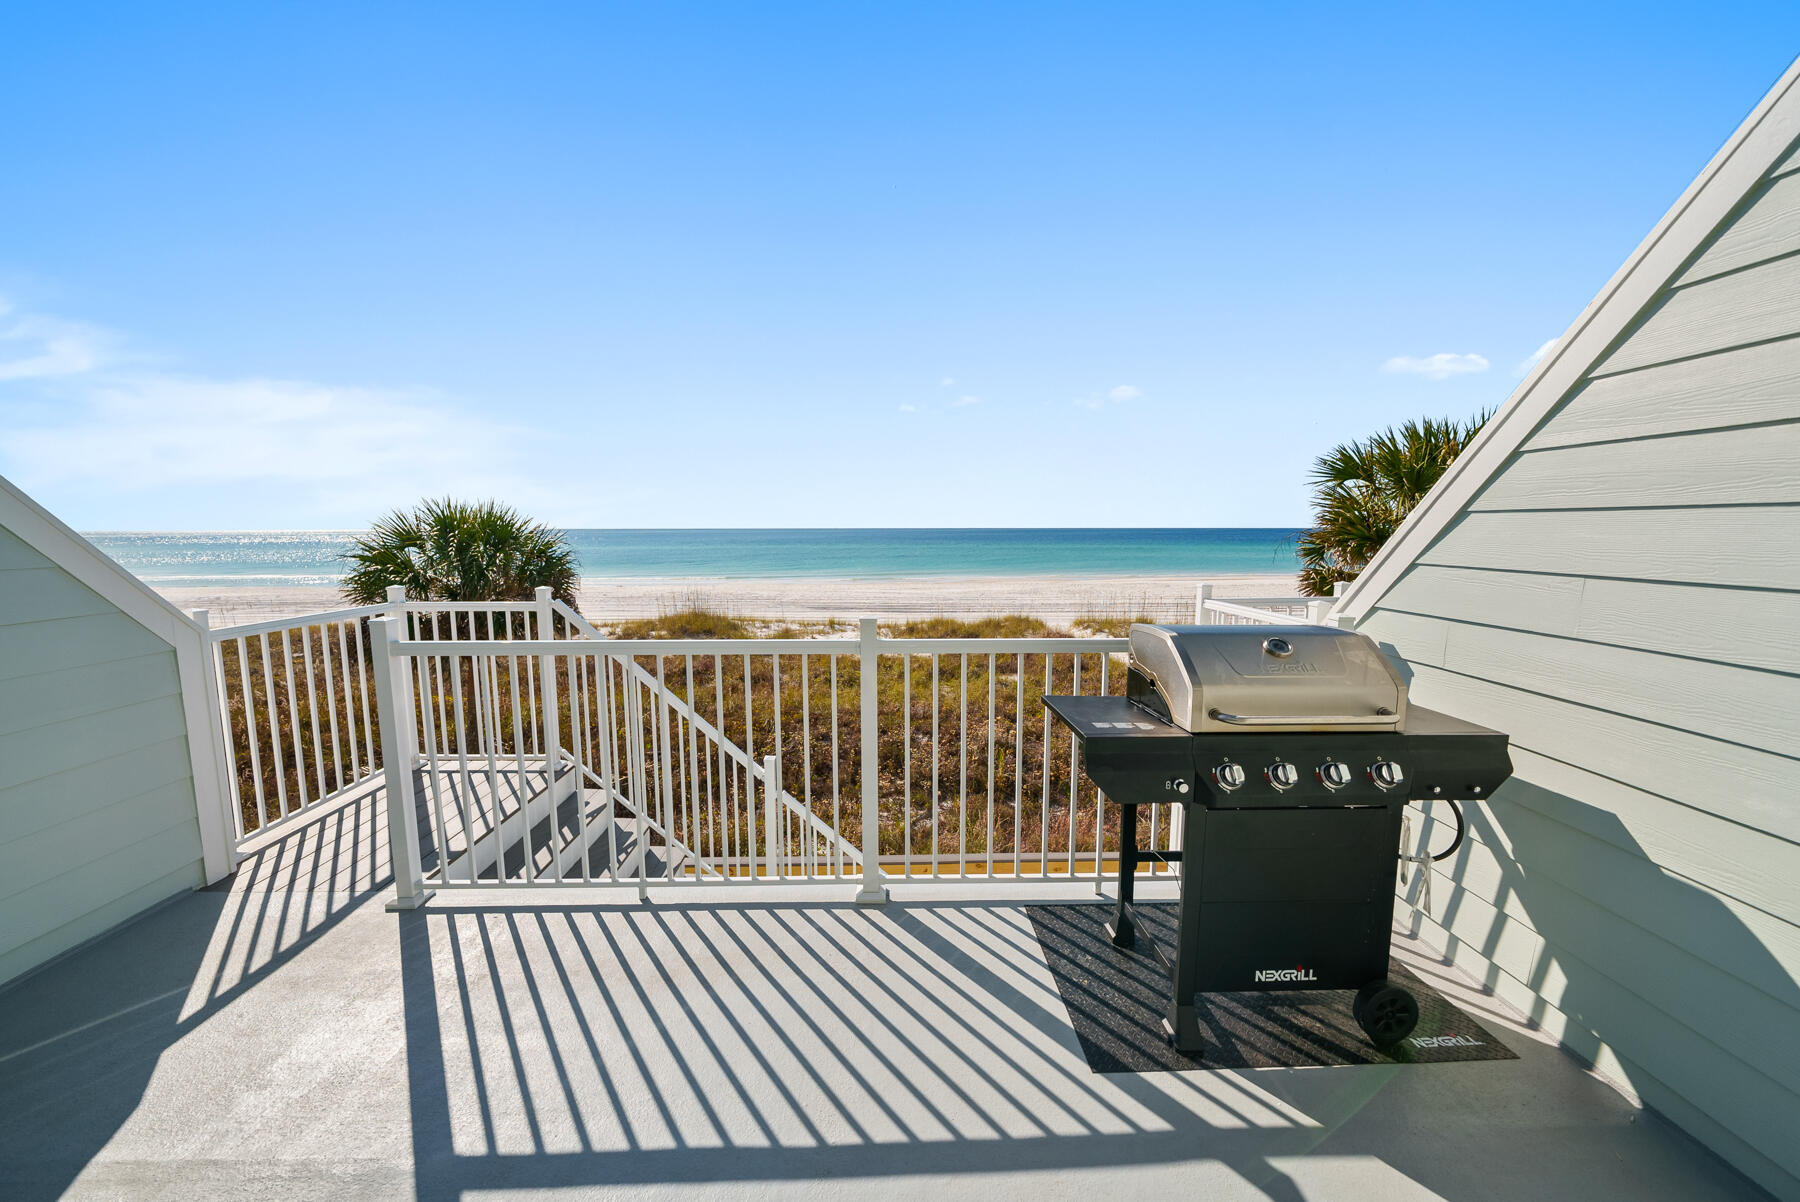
[{"x": 1116, "y": 1002}]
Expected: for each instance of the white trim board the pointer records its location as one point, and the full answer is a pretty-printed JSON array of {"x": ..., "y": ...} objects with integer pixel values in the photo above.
[
  {"x": 1734, "y": 172},
  {"x": 86, "y": 563}
]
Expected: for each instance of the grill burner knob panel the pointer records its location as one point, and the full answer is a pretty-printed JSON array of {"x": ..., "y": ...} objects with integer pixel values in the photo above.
[
  {"x": 1283, "y": 775},
  {"x": 1229, "y": 776},
  {"x": 1386, "y": 774},
  {"x": 1335, "y": 774}
]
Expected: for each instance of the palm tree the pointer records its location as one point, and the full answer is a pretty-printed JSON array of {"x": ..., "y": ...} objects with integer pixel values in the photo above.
[
  {"x": 1362, "y": 491},
  {"x": 458, "y": 551}
]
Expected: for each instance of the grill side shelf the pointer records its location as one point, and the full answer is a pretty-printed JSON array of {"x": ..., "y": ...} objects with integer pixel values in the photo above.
[{"x": 1133, "y": 755}]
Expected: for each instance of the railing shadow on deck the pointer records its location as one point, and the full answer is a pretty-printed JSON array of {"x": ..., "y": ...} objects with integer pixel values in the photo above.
[
  {"x": 690, "y": 1043},
  {"x": 686, "y": 1043}
]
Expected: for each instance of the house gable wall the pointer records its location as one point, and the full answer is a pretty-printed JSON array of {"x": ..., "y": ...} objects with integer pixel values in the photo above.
[
  {"x": 97, "y": 796},
  {"x": 1622, "y": 596}
]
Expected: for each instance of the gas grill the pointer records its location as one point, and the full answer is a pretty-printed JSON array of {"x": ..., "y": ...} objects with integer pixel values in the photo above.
[{"x": 1293, "y": 752}]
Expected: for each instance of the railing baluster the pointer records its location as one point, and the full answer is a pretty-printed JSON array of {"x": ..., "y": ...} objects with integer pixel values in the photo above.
[
  {"x": 578, "y": 738},
  {"x": 1073, "y": 776},
  {"x": 809, "y": 862},
  {"x": 720, "y": 809},
  {"x": 243, "y": 658},
  {"x": 312, "y": 706},
  {"x": 837, "y": 816},
  {"x": 337, "y": 749},
  {"x": 293, "y": 703},
  {"x": 1018, "y": 835},
  {"x": 906, "y": 764},
  {"x": 466, "y": 790},
  {"x": 667, "y": 792},
  {"x": 936, "y": 703},
  {"x": 1044, "y": 769},
  {"x": 990, "y": 767},
  {"x": 693, "y": 762},
  {"x": 1100, "y": 799},
  {"x": 603, "y": 699},
  {"x": 274, "y": 731},
  {"x": 438, "y": 668},
  {"x": 362, "y": 677},
  {"x": 435, "y": 800},
  {"x": 518, "y": 737},
  {"x": 962, "y": 764}
]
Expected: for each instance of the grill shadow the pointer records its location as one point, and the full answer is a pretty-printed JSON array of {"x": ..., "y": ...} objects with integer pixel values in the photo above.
[{"x": 1116, "y": 1001}]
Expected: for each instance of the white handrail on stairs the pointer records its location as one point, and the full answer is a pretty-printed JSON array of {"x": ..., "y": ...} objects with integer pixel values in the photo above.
[{"x": 849, "y": 850}]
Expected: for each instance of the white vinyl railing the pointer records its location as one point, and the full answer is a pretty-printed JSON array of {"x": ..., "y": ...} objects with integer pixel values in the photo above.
[
  {"x": 1258, "y": 611},
  {"x": 538, "y": 751},
  {"x": 638, "y": 763},
  {"x": 296, "y": 700}
]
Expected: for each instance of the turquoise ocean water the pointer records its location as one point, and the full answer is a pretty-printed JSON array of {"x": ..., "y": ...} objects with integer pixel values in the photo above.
[{"x": 312, "y": 557}]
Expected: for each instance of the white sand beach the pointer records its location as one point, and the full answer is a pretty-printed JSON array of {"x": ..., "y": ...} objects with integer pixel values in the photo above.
[{"x": 1059, "y": 599}]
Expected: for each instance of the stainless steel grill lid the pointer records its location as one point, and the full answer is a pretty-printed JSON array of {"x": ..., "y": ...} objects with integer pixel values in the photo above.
[{"x": 1289, "y": 678}]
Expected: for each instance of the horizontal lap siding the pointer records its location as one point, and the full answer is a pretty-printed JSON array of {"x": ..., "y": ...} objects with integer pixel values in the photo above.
[
  {"x": 1655, "y": 472},
  {"x": 1747, "y": 547},
  {"x": 1740, "y": 387},
  {"x": 96, "y": 785},
  {"x": 1623, "y": 599}
]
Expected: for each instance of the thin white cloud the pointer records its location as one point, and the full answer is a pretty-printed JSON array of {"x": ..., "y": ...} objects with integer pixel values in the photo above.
[
  {"x": 69, "y": 421},
  {"x": 905, "y": 408},
  {"x": 964, "y": 401},
  {"x": 33, "y": 346},
  {"x": 1536, "y": 357},
  {"x": 149, "y": 431},
  {"x": 1436, "y": 367},
  {"x": 947, "y": 382},
  {"x": 1115, "y": 395}
]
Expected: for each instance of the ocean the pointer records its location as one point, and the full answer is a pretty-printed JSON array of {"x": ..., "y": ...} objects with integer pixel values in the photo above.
[{"x": 273, "y": 558}]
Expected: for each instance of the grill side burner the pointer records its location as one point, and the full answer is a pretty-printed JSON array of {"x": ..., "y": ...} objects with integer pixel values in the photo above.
[{"x": 1291, "y": 830}]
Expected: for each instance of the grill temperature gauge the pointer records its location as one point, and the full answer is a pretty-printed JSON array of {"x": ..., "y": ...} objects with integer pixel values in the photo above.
[
  {"x": 1229, "y": 776},
  {"x": 1283, "y": 775},
  {"x": 1334, "y": 773},
  {"x": 1386, "y": 774}
]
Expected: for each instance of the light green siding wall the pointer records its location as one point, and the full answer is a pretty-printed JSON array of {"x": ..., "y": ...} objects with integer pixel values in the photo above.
[
  {"x": 97, "y": 814},
  {"x": 1623, "y": 598}
]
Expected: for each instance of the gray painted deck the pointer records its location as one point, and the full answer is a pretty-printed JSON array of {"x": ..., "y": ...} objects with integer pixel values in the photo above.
[{"x": 284, "y": 1035}]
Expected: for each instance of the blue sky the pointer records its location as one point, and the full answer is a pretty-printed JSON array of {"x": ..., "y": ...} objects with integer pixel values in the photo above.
[{"x": 784, "y": 265}]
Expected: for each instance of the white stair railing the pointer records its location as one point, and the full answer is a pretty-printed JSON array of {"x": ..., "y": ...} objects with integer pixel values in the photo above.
[{"x": 719, "y": 743}]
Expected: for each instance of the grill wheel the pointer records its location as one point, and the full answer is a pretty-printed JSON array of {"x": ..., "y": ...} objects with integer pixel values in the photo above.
[{"x": 1386, "y": 1012}]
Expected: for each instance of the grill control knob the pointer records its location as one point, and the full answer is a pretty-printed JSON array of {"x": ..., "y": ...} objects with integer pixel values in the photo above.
[
  {"x": 1387, "y": 774},
  {"x": 1334, "y": 773},
  {"x": 1283, "y": 775},
  {"x": 1229, "y": 776}
]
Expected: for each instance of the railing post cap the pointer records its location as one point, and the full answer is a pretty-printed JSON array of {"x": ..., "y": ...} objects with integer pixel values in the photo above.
[
  {"x": 396, "y": 594},
  {"x": 542, "y": 593}
]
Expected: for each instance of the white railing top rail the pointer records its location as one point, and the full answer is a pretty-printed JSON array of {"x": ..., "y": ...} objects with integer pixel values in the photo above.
[
  {"x": 668, "y": 648},
  {"x": 1253, "y": 613},
  {"x": 220, "y": 634}
]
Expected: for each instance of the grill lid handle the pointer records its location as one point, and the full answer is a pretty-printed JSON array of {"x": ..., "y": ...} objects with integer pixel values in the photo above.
[{"x": 1381, "y": 717}]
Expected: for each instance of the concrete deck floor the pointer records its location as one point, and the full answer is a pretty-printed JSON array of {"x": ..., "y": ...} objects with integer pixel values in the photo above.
[{"x": 287, "y": 1037}]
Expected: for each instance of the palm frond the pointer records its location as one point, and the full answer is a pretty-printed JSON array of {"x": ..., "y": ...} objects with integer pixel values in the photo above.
[
  {"x": 449, "y": 550},
  {"x": 1363, "y": 491}
]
